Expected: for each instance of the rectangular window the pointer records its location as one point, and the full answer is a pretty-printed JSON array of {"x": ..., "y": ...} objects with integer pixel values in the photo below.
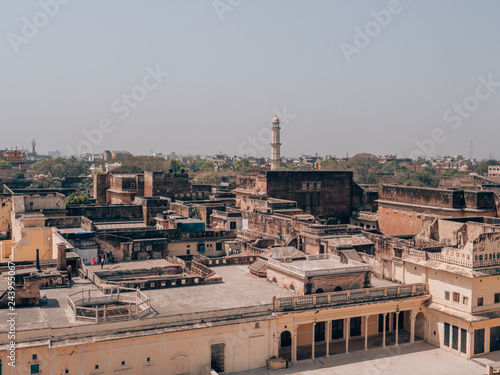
[
  {"x": 218, "y": 246},
  {"x": 456, "y": 297},
  {"x": 35, "y": 369},
  {"x": 465, "y": 300},
  {"x": 232, "y": 225},
  {"x": 480, "y": 301},
  {"x": 497, "y": 297},
  {"x": 446, "y": 339},
  {"x": 447, "y": 295},
  {"x": 201, "y": 248}
]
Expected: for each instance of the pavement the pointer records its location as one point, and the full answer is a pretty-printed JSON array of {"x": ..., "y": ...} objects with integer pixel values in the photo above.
[{"x": 414, "y": 359}]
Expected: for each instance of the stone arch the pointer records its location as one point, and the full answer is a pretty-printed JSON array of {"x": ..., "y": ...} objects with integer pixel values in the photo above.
[
  {"x": 180, "y": 363},
  {"x": 319, "y": 290},
  {"x": 338, "y": 289},
  {"x": 420, "y": 326},
  {"x": 274, "y": 280},
  {"x": 285, "y": 346},
  {"x": 292, "y": 287}
]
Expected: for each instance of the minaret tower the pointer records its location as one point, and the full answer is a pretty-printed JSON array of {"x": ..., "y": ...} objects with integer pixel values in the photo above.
[{"x": 275, "y": 145}]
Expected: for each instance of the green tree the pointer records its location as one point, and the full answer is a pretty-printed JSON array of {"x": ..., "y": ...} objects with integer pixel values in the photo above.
[
  {"x": 391, "y": 166},
  {"x": 208, "y": 166},
  {"x": 424, "y": 177},
  {"x": 18, "y": 176},
  {"x": 365, "y": 168},
  {"x": 5, "y": 165},
  {"x": 209, "y": 177},
  {"x": 243, "y": 165},
  {"x": 128, "y": 168},
  {"x": 85, "y": 187},
  {"x": 75, "y": 198},
  {"x": 60, "y": 167},
  {"x": 195, "y": 212},
  {"x": 45, "y": 184},
  {"x": 482, "y": 167},
  {"x": 176, "y": 165}
]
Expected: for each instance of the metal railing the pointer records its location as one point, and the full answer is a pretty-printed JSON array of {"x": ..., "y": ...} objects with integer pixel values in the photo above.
[
  {"x": 348, "y": 297},
  {"x": 117, "y": 304}
]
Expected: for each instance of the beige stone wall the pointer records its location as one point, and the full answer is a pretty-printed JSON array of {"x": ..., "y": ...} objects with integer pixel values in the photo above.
[
  {"x": 246, "y": 347},
  {"x": 5, "y": 213},
  {"x": 327, "y": 283}
]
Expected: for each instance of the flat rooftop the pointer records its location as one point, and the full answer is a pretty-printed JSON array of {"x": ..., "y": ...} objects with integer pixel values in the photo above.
[
  {"x": 239, "y": 289},
  {"x": 130, "y": 265},
  {"x": 318, "y": 265}
]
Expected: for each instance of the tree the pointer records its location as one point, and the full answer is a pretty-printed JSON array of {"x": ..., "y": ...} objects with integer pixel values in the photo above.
[
  {"x": 60, "y": 167},
  {"x": 18, "y": 176},
  {"x": 391, "y": 166},
  {"x": 365, "y": 167},
  {"x": 176, "y": 165},
  {"x": 128, "y": 168},
  {"x": 85, "y": 187},
  {"x": 208, "y": 166},
  {"x": 5, "y": 165},
  {"x": 45, "y": 184},
  {"x": 209, "y": 177},
  {"x": 75, "y": 198},
  {"x": 243, "y": 165},
  {"x": 482, "y": 167},
  {"x": 195, "y": 212},
  {"x": 424, "y": 177}
]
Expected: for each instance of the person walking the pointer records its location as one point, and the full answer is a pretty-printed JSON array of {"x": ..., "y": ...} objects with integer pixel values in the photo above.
[{"x": 102, "y": 261}]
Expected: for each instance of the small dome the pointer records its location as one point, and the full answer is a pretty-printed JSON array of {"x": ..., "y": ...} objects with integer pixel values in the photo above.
[{"x": 276, "y": 120}]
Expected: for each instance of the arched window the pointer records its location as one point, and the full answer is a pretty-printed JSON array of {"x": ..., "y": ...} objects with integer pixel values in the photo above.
[{"x": 286, "y": 339}]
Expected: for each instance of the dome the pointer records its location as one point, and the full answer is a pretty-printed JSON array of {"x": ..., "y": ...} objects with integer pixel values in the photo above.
[{"x": 276, "y": 120}]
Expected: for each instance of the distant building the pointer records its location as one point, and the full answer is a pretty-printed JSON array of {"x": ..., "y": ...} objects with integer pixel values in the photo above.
[
  {"x": 401, "y": 209},
  {"x": 493, "y": 170}
]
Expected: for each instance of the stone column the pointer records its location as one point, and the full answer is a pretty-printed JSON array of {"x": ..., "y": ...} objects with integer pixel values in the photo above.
[
  {"x": 366, "y": 332},
  {"x": 347, "y": 325},
  {"x": 412, "y": 327},
  {"x": 328, "y": 337},
  {"x": 397, "y": 328},
  {"x": 313, "y": 343},
  {"x": 384, "y": 328},
  {"x": 294, "y": 345}
]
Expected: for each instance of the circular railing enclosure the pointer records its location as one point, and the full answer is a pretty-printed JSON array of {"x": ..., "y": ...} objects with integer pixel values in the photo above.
[{"x": 109, "y": 305}]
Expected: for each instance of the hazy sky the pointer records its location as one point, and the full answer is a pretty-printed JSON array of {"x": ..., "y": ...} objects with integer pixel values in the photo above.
[{"x": 232, "y": 63}]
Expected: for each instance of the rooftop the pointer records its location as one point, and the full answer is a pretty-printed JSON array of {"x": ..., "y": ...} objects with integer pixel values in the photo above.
[
  {"x": 239, "y": 289},
  {"x": 318, "y": 265}
]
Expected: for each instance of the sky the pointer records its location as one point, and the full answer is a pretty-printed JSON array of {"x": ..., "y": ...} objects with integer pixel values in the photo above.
[{"x": 206, "y": 76}]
